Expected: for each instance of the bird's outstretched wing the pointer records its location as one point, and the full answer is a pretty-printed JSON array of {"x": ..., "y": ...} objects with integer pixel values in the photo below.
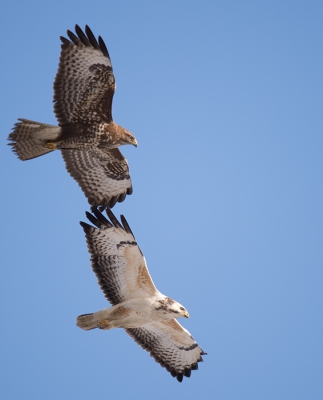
[
  {"x": 171, "y": 345},
  {"x": 102, "y": 175},
  {"x": 116, "y": 259},
  {"x": 84, "y": 83}
]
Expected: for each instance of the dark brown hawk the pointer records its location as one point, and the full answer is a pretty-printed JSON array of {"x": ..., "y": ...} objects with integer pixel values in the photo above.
[{"x": 86, "y": 134}]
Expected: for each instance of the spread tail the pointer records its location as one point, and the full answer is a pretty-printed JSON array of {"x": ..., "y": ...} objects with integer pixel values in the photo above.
[
  {"x": 29, "y": 137},
  {"x": 95, "y": 320},
  {"x": 87, "y": 321}
]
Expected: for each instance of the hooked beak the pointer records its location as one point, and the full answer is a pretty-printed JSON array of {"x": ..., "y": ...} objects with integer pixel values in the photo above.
[
  {"x": 186, "y": 314},
  {"x": 135, "y": 143}
]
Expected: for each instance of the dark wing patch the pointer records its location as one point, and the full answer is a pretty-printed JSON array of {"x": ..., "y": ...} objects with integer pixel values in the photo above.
[
  {"x": 170, "y": 345},
  {"x": 102, "y": 175},
  {"x": 84, "y": 83}
]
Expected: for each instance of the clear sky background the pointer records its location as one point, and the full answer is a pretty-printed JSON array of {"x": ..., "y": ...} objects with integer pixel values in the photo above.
[{"x": 225, "y": 99}]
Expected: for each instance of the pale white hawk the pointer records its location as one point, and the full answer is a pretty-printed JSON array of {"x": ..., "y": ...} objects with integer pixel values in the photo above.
[{"x": 147, "y": 315}]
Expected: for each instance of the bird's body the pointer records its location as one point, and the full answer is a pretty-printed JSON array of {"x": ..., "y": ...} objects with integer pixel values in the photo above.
[
  {"x": 81, "y": 137},
  {"x": 87, "y": 136},
  {"x": 132, "y": 313}
]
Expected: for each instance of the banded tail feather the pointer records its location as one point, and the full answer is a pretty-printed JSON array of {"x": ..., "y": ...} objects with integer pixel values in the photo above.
[{"x": 28, "y": 138}]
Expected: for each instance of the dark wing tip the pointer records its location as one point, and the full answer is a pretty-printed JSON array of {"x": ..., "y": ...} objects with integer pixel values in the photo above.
[
  {"x": 92, "y": 219},
  {"x": 82, "y": 36},
  {"x": 100, "y": 219},
  {"x": 177, "y": 373},
  {"x": 121, "y": 197},
  {"x": 103, "y": 47},
  {"x": 84, "y": 225},
  {"x": 173, "y": 371},
  {"x": 126, "y": 225},
  {"x": 194, "y": 366},
  {"x": 91, "y": 38},
  {"x": 87, "y": 39},
  {"x": 113, "y": 219},
  {"x": 130, "y": 190},
  {"x": 64, "y": 40},
  {"x": 73, "y": 37},
  {"x": 112, "y": 201}
]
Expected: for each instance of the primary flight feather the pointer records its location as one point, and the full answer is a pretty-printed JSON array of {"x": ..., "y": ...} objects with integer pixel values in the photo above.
[
  {"x": 147, "y": 315},
  {"x": 86, "y": 134}
]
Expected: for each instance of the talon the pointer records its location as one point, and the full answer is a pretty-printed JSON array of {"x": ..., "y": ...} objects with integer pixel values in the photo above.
[
  {"x": 103, "y": 324},
  {"x": 50, "y": 145}
]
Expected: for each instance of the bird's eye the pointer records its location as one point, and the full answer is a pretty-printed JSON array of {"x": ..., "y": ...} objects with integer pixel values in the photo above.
[{"x": 182, "y": 308}]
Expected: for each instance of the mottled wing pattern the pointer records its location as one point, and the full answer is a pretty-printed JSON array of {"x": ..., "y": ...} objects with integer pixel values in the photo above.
[
  {"x": 171, "y": 345},
  {"x": 84, "y": 84},
  {"x": 116, "y": 259},
  {"x": 102, "y": 175}
]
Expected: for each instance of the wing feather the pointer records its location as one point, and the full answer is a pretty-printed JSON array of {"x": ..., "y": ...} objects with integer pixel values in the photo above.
[
  {"x": 171, "y": 345},
  {"x": 126, "y": 225},
  {"x": 92, "y": 39},
  {"x": 98, "y": 222},
  {"x": 81, "y": 35},
  {"x": 84, "y": 84},
  {"x": 102, "y": 175},
  {"x": 113, "y": 219},
  {"x": 117, "y": 260},
  {"x": 75, "y": 39}
]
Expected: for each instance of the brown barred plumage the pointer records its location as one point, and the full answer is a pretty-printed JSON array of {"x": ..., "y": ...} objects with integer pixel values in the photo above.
[{"x": 87, "y": 136}]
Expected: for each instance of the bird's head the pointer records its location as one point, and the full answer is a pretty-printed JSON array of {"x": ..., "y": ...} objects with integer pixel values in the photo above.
[
  {"x": 171, "y": 308},
  {"x": 127, "y": 137},
  {"x": 181, "y": 311},
  {"x": 116, "y": 135}
]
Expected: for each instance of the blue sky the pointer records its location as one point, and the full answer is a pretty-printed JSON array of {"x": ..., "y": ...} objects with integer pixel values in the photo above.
[{"x": 225, "y": 100}]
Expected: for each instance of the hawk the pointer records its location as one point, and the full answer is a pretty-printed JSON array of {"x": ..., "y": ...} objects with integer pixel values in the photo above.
[
  {"x": 86, "y": 135},
  {"x": 147, "y": 315}
]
